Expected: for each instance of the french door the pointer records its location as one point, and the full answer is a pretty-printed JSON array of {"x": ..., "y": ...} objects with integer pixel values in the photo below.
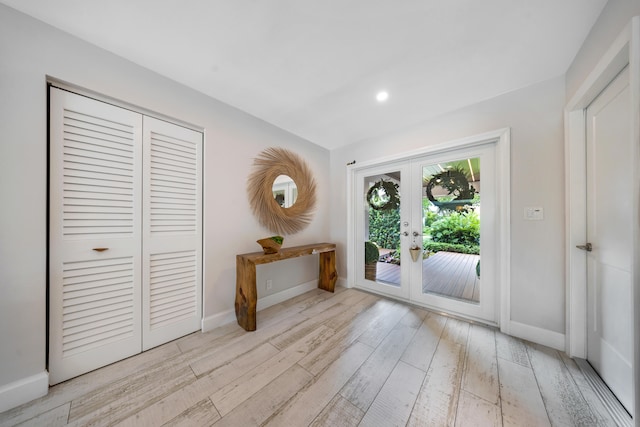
[{"x": 424, "y": 224}]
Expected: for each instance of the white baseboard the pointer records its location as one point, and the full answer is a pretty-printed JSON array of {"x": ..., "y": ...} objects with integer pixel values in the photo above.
[
  {"x": 274, "y": 299},
  {"x": 23, "y": 391},
  {"x": 537, "y": 335},
  {"x": 211, "y": 322},
  {"x": 342, "y": 282}
]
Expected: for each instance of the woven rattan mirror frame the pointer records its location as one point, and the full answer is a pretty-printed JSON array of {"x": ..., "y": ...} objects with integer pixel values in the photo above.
[{"x": 268, "y": 165}]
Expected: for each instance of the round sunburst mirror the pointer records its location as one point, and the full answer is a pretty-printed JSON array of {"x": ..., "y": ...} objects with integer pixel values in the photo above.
[{"x": 282, "y": 191}]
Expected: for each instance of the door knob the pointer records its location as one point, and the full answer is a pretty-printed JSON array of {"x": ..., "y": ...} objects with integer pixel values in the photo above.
[
  {"x": 404, "y": 233},
  {"x": 586, "y": 247}
]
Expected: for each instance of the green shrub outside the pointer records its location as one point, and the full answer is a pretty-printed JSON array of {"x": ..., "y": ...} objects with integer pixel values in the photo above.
[
  {"x": 458, "y": 228},
  {"x": 384, "y": 228},
  {"x": 454, "y": 232},
  {"x": 450, "y": 247}
]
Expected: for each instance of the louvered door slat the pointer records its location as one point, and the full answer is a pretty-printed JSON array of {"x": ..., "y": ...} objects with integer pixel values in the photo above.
[
  {"x": 172, "y": 254},
  {"x": 99, "y": 157},
  {"x": 95, "y": 297}
]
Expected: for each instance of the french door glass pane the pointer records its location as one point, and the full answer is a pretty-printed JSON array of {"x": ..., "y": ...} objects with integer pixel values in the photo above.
[
  {"x": 382, "y": 228},
  {"x": 451, "y": 229}
]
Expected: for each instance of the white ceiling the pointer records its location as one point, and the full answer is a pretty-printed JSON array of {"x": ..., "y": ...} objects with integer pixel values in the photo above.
[{"x": 313, "y": 67}]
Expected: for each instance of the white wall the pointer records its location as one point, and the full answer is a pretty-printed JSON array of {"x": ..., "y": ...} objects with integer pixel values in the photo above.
[
  {"x": 534, "y": 115},
  {"x": 614, "y": 17},
  {"x": 31, "y": 50}
]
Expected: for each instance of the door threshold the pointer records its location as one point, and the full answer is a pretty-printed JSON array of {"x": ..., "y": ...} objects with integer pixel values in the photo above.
[
  {"x": 468, "y": 319},
  {"x": 611, "y": 403}
]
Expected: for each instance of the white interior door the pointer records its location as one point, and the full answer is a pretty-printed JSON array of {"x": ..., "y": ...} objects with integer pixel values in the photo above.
[
  {"x": 609, "y": 219},
  {"x": 172, "y": 232},
  {"x": 95, "y": 225}
]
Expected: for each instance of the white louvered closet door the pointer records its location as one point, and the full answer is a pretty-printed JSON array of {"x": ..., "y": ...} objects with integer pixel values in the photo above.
[
  {"x": 172, "y": 232},
  {"x": 125, "y": 249},
  {"x": 95, "y": 229}
]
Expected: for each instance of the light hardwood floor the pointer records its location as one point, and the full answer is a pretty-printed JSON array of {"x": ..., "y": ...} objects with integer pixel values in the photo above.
[{"x": 322, "y": 359}]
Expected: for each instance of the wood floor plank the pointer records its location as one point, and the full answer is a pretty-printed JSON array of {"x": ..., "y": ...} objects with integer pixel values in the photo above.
[
  {"x": 298, "y": 299},
  {"x": 236, "y": 392},
  {"x": 317, "y": 360},
  {"x": 477, "y": 412},
  {"x": 379, "y": 329},
  {"x": 414, "y": 317},
  {"x": 338, "y": 413},
  {"x": 202, "y": 413},
  {"x": 564, "y": 403},
  {"x": 421, "y": 349},
  {"x": 353, "y": 297},
  {"x": 249, "y": 340},
  {"x": 511, "y": 349},
  {"x": 291, "y": 336},
  {"x": 602, "y": 416},
  {"x": 522, "y": 404},
  {"x": 257, "y": 410},
  {"x": 56, "y": 417},
  {"x": 309, "y": 402},
  {"x": 481, "y": 367},
  {"x": 374, "y": 307},
  {"x": 80, "y": 386},
  {"x": 438, "y": 399},
  {"x": 171, "y": 405},
  {"x": 125, "y": 398},
  {"x": 325, "y": 305},
  {"x": 366, "y": 383},
  {"x": 202, "y": 339},
  {"x": 392, "y": 406},
  {"x": 274, "y": 314}
]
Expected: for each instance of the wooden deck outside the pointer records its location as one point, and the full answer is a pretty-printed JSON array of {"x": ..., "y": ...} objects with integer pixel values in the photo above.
[{"x": 443, "y": 273}]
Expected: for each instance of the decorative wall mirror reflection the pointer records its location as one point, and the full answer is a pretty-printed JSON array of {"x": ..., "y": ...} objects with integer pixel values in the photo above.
[
  {"x": 282, "y": 191},
  {"x": 285, "y": 191}
]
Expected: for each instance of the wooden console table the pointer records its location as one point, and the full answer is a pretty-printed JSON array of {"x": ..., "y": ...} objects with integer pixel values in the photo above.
[{"x": 246, "y": 293}]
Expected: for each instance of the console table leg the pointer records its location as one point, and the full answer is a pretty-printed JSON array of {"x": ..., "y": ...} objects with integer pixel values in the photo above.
[
  {"x": 328, "y": 274},
  {"x": 246, "y": 294}
]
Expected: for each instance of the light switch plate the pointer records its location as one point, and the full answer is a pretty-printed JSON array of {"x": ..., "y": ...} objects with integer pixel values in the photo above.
[{"x": 535, "y": 213}]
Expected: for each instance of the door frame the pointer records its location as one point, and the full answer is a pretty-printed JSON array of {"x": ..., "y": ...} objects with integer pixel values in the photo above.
[
  {"x": 502, "y": 140},
  {"x": 625, "y": 51}
]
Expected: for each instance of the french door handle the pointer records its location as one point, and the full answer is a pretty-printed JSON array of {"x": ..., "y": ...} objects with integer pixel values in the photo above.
[
  {"x": 586, "y": 247},
  {"x": 404, "y": 233}
]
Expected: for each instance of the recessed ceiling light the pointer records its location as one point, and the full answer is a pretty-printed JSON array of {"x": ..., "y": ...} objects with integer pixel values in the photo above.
[{"x": 382, "y": 96}]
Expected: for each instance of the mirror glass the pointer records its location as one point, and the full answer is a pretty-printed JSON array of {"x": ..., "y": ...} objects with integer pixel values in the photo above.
[{"x": 284, "y": 191}]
